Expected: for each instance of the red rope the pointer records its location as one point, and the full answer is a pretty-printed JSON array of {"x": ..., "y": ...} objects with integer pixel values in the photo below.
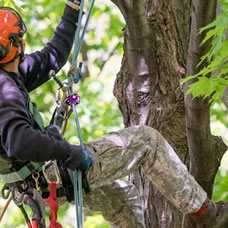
[{"x": 53, "y": 204}]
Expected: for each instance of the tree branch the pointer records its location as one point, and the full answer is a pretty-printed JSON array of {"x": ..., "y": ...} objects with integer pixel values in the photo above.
[
  {"x": 225, "y": 95},
  {"x": 205, "y": 151},
  {"x": 85, "y": 60},
  {"x": 225, "y": 98},
  {"x": 129, "y": 8},
  {"x": 107, "y": 57}
]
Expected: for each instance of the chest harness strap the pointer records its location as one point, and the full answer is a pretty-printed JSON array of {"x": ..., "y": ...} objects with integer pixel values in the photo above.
[{"x": 36, "y": 115}]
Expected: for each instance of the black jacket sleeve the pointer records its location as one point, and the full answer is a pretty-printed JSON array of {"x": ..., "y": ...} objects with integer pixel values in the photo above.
[
  {"x": 36, "y": 66},
  {"x": 19, "y": 138}
]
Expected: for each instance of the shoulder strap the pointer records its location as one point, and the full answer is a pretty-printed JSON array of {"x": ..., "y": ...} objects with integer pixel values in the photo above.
[
  {"x": 36, "y": 115},
  {"x": 21, "y": 174}
]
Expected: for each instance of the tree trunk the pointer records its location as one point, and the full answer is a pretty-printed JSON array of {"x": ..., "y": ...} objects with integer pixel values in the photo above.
[{"x": 148, "y": 89}]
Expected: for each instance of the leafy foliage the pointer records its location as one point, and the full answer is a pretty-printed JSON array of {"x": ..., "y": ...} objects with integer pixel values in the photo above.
[
  {"x": 220, "y": 188},
  {"x": 216, "y": 60},
  {"x": 219, "y": 113},
  {"x": 96, "y": 222}
]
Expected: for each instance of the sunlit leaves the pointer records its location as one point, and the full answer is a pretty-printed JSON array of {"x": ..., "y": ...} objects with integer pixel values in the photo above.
[
  {"x": 212, "y": 79},
  {"x": 219, "y": 113},
  {"x": 209, "y": 87},
  {"x": 108, "y": 33},
  {"x": 95, "y": 222},
  {"x": 220, "y": 191}
]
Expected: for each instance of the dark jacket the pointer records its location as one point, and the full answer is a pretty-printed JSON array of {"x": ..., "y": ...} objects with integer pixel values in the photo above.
[{"x": 20, "y": 138}]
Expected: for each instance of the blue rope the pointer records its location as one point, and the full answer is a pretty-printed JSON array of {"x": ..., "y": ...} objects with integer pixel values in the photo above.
[
  {"x": 80, "y": 196},
  {"x": 80, "y": 42},
  {"x": 77, "y": 34},
  {"x": 75, "y": 178},
  {"x": 77, "y": 175}
]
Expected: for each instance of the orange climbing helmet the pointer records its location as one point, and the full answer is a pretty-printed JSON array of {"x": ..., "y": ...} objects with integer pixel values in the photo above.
[{"x": 12, "y": 29}]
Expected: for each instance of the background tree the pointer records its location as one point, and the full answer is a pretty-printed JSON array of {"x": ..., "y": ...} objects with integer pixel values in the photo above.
[{"x": 161, "y": 47}]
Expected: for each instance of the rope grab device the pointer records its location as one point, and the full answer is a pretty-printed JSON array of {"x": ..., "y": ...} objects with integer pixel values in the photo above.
[{"x": 66, "y": 105}]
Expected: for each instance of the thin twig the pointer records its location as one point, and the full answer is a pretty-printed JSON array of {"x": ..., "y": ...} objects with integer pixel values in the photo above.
[{"x": 5, "y": 208}]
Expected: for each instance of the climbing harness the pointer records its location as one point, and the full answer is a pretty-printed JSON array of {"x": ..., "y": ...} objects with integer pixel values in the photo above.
[{"x": 17, "y": 184}]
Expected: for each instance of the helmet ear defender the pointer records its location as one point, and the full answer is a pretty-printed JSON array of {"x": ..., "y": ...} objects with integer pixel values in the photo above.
[
  {"x": 3, "y": 51},
  {"x": 14, "y": 39}
]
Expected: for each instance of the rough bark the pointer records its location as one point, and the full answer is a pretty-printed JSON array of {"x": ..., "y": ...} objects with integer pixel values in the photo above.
[
  {"x": 148, "y": 88},
  {"x": 156, "y": 41}
]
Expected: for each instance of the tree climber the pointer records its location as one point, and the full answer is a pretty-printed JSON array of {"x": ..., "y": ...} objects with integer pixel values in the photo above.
[{"x": 114, "y": 156}]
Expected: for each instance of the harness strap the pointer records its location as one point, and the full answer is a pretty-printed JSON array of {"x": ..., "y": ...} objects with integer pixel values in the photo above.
[
  {"x": 22, "y": 173},
  {"x": 53, "y": 204},
  {"x": 36, "y": 115}
]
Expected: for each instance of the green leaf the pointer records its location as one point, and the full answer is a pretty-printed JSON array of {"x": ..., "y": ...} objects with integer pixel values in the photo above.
[{"x": 215, "y": 60}]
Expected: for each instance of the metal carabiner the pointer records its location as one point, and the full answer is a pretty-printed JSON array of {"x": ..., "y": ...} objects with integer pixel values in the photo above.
[
  {"x": 36, "y": 177},
  {"x": 5, "y": 191},
  {"x": 56, "y": 172}
]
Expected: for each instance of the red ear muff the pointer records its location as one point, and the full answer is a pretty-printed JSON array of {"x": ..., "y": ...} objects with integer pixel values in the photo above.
[
  {"x": 14, "y": 39},
  {"x": 4, "y": 51}
]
